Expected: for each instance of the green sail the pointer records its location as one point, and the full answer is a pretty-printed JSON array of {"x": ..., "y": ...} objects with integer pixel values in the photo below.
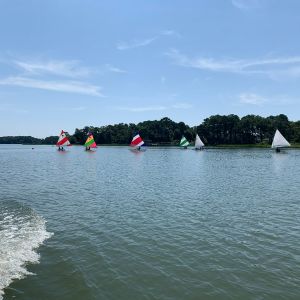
[{"x": 184, "y": 142}]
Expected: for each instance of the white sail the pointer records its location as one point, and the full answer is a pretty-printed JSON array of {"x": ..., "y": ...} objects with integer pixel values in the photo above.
[
  {"x": 198, "y": 143},
  {"x": 279, "y": 141}
]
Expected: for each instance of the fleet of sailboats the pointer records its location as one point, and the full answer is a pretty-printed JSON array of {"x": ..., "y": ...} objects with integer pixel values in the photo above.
[
  {"x": 279, "y": 141},
  {"x": 62, "y": 141},
  {"x": 137, "y": 143}
]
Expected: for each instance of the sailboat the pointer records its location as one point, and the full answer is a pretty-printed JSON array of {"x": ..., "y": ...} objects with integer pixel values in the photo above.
[
  {"x": 279, "y": 141},
  {"x": 90, "y": 143},
  {"x": 198, "y": 143},
  {"x": 62, "y": 141},
  {"x": 137, "y": 143},
  {"x": 184, "y": 142}
]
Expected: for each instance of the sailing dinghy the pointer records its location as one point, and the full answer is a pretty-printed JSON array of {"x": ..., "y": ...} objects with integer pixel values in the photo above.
[
  {"x": 279, "y": 141},
  {"x": 198, "y": 143},
  {"x": 90, "y": 143},
  {"x": 137, "y": 143},
  {"x": 62, "y": 141},
  {"x": 184, "y": 143}
]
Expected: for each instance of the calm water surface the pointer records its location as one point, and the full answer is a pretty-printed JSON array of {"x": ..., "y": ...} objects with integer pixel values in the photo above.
[{"x": 164, "y": 224}]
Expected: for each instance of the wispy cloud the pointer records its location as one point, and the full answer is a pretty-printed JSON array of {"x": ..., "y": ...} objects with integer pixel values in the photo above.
[
  {"x": 71, "y": 68},
  {"x": 259, "y": 100},
  {"x": 115, "y": 69},
  {"x": 169, "y": 32},
  {"x": 135, "y": 43},
  {"x": 59, "y": 86},
  {"x": 246, "y": 4},
  {"x": 251, "y": 98},
  {"x": 273, "y": 67},
  {"x": 52, "y": 75},
  {"x": 163, "y": 79}
]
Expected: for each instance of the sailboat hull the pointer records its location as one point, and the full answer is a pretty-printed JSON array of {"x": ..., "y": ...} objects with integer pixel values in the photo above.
[{"x": 143, "y": 149}]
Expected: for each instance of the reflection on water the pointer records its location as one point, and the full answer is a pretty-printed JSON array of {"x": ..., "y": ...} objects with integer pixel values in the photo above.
[{"x": 279, "y": 161}]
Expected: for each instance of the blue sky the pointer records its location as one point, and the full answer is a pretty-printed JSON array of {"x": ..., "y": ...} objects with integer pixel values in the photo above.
[{"x": 70, "y": 63}]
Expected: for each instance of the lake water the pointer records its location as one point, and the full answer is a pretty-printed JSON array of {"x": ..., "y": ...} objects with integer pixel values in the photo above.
[{"x": 164, "y": 224}]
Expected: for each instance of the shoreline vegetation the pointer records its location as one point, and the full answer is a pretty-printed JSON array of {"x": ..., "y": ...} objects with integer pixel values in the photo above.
[{"x": 216, "y": 131}]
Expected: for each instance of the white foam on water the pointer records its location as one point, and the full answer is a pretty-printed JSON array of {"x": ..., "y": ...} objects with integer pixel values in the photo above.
[{"x": 22, "y": 231}]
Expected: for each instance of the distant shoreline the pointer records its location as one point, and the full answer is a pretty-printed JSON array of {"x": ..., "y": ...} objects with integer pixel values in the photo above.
[
  {"x": 233, "y": 146},
  {"x": 216, "y": 131}
]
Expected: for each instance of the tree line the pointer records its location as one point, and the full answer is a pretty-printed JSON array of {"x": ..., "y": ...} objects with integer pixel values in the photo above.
[{"x": 215, "y": 130}]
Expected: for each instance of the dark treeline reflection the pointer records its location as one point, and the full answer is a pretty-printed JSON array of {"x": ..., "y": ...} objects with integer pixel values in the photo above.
[{"x": 215, "y": 130}]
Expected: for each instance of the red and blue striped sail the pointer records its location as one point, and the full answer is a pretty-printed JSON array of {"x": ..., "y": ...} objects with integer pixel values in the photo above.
[{"x": 137, "y": 141}]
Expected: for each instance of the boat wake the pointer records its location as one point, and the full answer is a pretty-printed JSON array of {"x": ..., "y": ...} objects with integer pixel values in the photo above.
[{"x": 22, "y": 231}]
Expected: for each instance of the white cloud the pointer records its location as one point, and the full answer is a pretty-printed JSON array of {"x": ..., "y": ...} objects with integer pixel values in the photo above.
[
  {"x": 115, "y": 69},
  {"x": 240, "y": 4},
  {"x": 145, "y": 42},
  {"x": 251, "y": 98},
  {"x": 246, "y": 4},
  {"x": 168, "y": 32},
  {"x": 135, "y": 43},
  {"x": 272, "y": 67},
  {"x": 62, "y": 68},
  {"x": 59, "y": 86},
  {"x": 258, "y": 100}
]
